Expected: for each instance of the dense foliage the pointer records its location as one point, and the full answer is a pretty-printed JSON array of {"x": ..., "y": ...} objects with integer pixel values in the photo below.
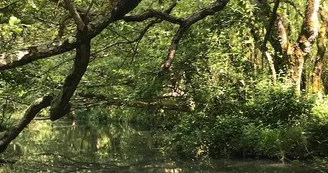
[{"x": 223, "y": 78}]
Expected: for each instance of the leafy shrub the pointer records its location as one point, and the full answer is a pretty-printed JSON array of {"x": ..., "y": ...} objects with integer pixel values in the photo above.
[
  {"x": 270, "y": 124},
  {"x": 318, "y": 138},
  {"x": 317, "y": 127},
  {"x": 226, "y": 135},
  {"x": 273, "y": 142},
  {"x": 321, "y": 164},
  {"x": 320, "y": 110},
  {"x": 191, "y": 135},
  {"x": 276, "y": 106},
  {"x": 201, "y": 135}
]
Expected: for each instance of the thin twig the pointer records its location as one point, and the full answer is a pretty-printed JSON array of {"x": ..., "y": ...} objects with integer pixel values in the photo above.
[
  {"x": 295, "y": 7},
  {"x": 270, "y": 26},
  {"x": 8, "y": 5}
]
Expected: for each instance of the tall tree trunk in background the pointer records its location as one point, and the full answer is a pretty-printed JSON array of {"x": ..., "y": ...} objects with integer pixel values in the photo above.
[
  {"x": 268, "y": 18},
  {"x": 296, "y": 52},
  {"x": 266, "y": 38},
  {"x": 293, "y": 53},
  {"x": 280, "y": 63},
  {"x": 318, "y": 64},
  {"x": 295, "y": 57}
]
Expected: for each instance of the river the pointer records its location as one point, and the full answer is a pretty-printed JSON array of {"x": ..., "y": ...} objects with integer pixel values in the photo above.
[{"x": 117, "y": 148}]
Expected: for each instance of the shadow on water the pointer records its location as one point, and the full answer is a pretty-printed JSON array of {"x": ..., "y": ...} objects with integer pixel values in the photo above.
[{"x": 59, "y": 147}]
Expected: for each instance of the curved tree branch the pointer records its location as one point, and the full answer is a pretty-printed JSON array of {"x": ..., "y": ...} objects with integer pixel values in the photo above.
[
  {"x": 270, "y": 25},
  {"x": 299, "y": 12},
  {"x": 186, "y": 24},
  {"x": 76, "y": 16},
  {"x": 153, "y": 13},
  {"x": 266, "y": 38},
  {"x": 60, "y": 105},
  {"x": 33, "y": 53},
  {"x": 7, "y": 136}
]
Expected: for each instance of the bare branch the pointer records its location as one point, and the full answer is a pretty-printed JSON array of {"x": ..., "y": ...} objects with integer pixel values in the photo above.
[
  {"x": 88, "y": 10},
  {"x": 270, "y": 25},
  {"x": 153, "y": 13},
  {"x": 60, "y": 3},
  {"x": 218, "y": 5},
  {"x": 62, "y": 25},
  {"x": 33, "y": 53},
  {"x": 186, "y": 24},
  {"x": 173, "y": 47},
  {"x": 138, "y": 104},
  {"x": 60, "y": 105},
  {"x": 76, "y": 16},
  {"x": 299, "y": 12},
  {"x": 273, "y": 19}
]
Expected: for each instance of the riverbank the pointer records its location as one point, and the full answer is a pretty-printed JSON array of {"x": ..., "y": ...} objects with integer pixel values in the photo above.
[{"x": 116, "y": 147}]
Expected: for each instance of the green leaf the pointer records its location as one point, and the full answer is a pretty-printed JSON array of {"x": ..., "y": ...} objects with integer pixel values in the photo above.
[
  {"x": 14, "y": 20},
  {"x": 31, "y": 2},
  {"x": 18, "y": 30}
]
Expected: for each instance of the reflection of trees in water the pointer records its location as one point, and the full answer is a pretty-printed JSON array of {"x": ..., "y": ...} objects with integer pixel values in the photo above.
[
  {"x": 119, "y": 144},
  {"x": 104, "y": 148}
]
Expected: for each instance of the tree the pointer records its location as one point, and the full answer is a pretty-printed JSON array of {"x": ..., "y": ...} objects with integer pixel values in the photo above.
[
  {"x": 91, "y": 18},
  {"x": 293, "y": 53}
]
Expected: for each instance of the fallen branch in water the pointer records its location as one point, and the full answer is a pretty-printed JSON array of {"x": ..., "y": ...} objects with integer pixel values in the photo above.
[{"x": 184, "y": 107}]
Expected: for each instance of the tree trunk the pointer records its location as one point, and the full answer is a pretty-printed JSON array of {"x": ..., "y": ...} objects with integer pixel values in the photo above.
[
  {"x": 295, "y": 57},
  {"x": 296, "y": 53},
  {"x": 272, "y": 67},
  {"x": 60, "y": 105},
  {"x": 318, "y": 64}
]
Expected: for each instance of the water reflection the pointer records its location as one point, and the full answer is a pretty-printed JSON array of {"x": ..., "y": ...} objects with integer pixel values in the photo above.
[{"x": 60, "y": 147}]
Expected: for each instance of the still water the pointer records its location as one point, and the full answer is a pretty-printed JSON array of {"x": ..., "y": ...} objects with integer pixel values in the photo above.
[{"x": 117, "y": 148}]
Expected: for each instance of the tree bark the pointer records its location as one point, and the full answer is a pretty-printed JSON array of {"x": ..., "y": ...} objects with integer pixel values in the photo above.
[
  {"x": 319, "y": 62},
  {"x": 266, "y": 38},
  {"x": 296, "y": 53},
  {"x": 60, "y": 105},
  {"x": 275, "y": 35},
  {"x": 293, "y": 53}
]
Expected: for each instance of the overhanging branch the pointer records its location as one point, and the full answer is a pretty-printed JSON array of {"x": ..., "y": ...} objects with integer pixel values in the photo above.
[
  {"x": 7, "y": 136},
  {"x": 137, "y": 104},
  {"x": 151, "y": 14},
  {"x": 186, "y": 24},
  {"x": 33, "y": 53}
]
